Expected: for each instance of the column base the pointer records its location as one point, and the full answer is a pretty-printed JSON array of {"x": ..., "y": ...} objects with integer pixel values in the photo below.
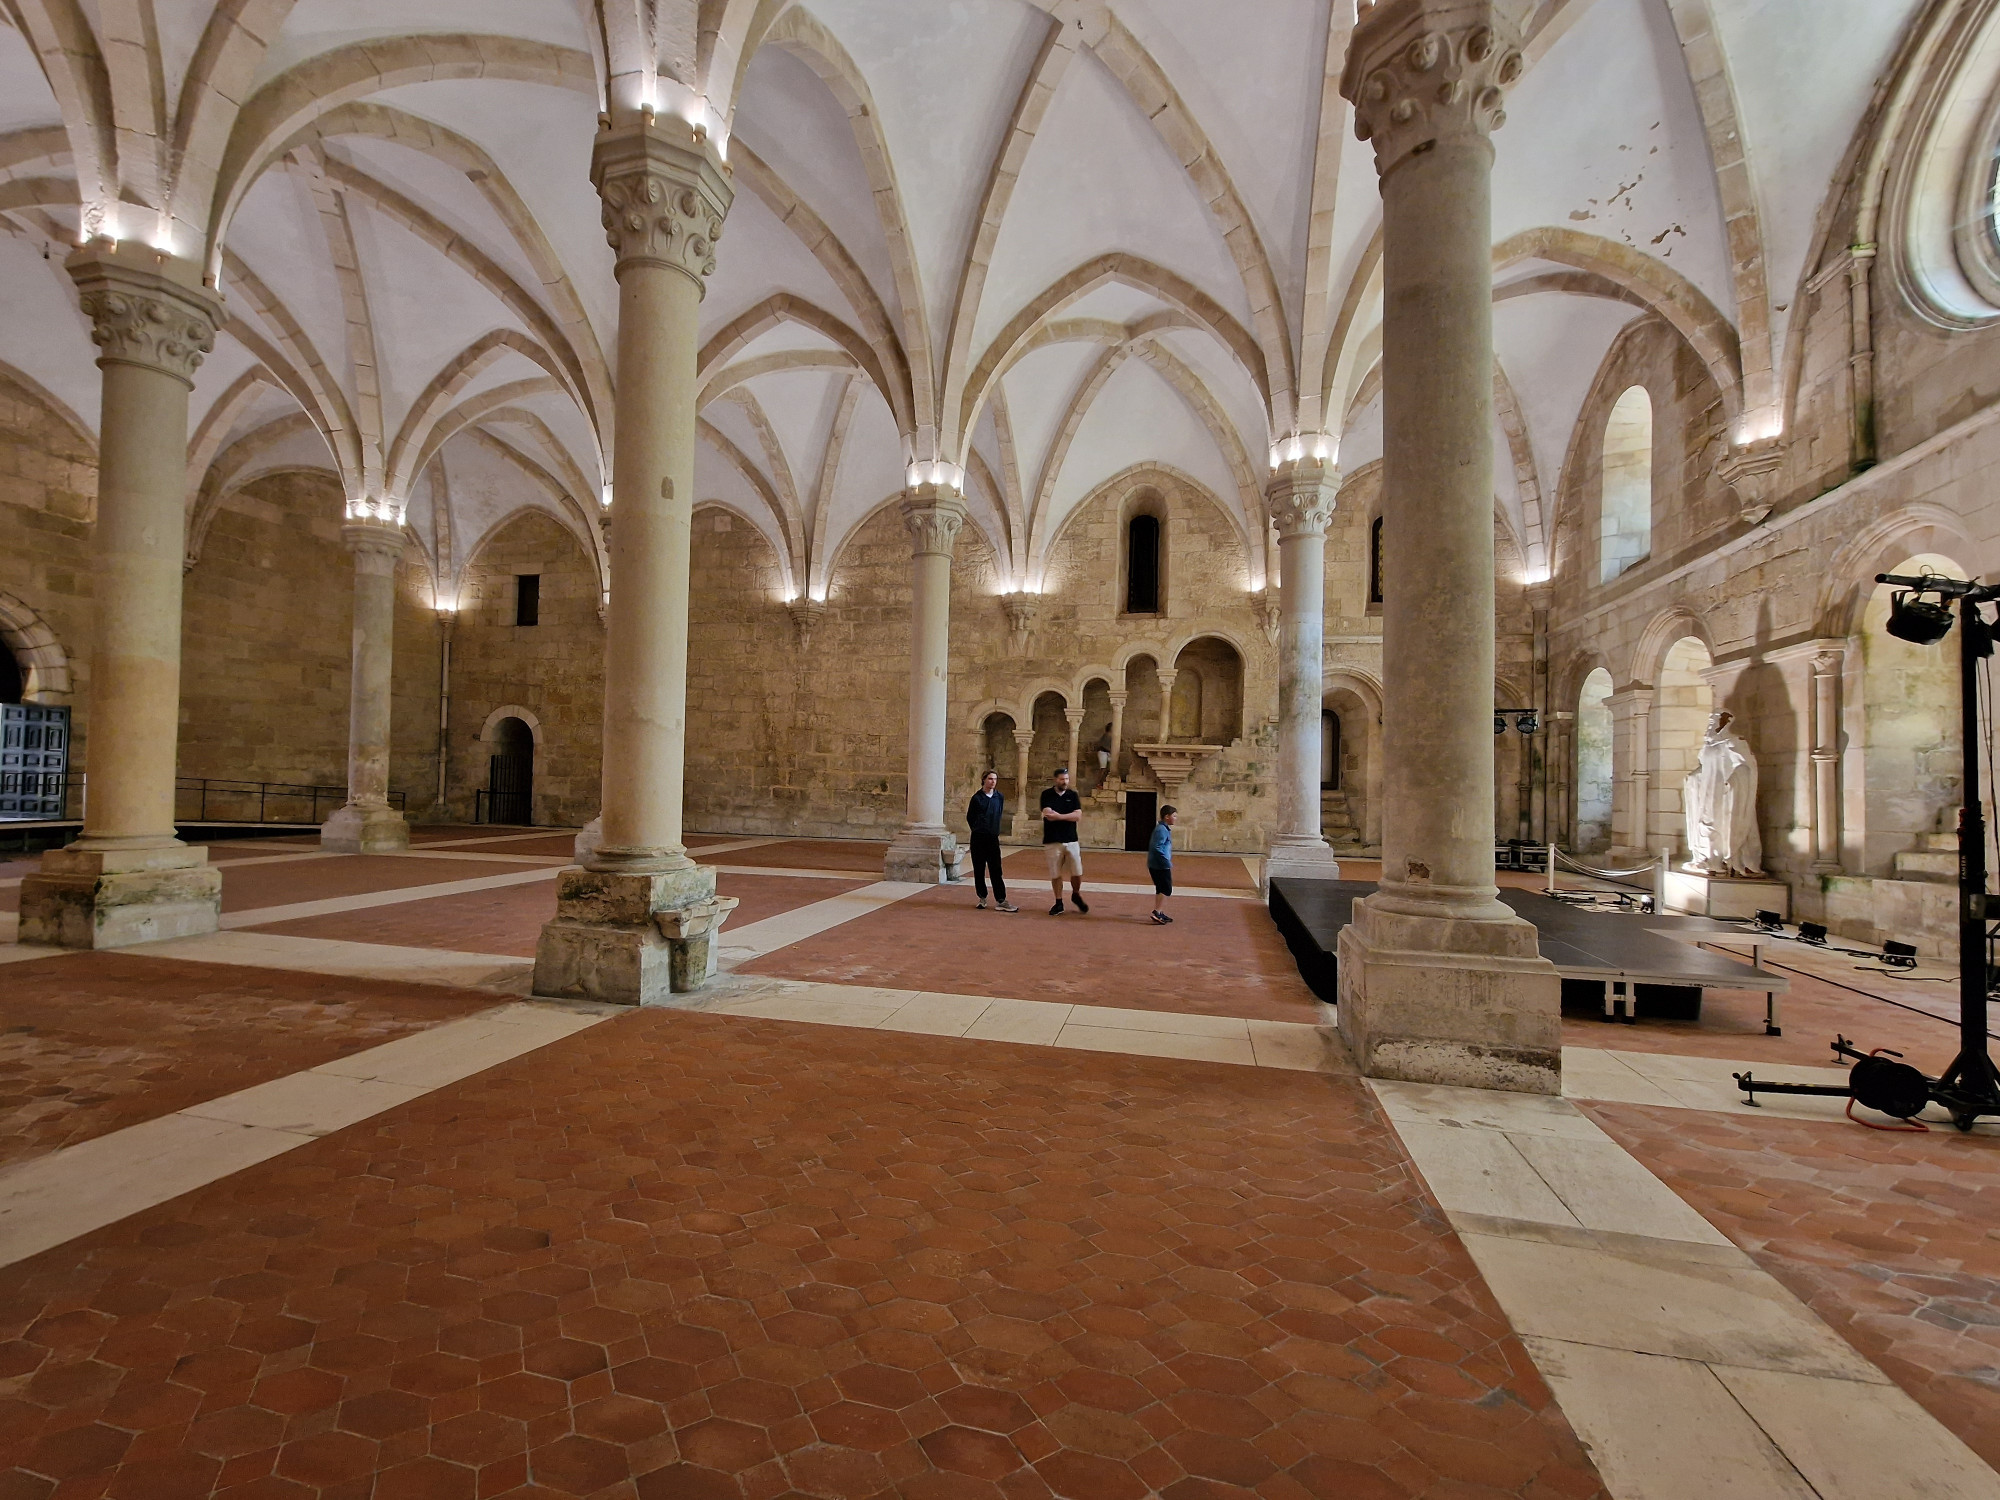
[
  {"x": 114, "y": 898},
  {"x": 365, "y": 828},
  {"x": 1301, "y": 861},
  {"x": 630, "y": 939},
  {"x": 924, "y": 856},
  {"x": 1444, "y": 1000}
]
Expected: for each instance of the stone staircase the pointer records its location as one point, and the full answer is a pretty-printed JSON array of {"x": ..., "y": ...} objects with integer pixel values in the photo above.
[
  {"x": 1336, "y": 821},
  {"x": 1935, "y": 859}
]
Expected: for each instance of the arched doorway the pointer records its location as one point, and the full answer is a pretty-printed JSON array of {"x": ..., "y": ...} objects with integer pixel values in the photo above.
[
  {"x": 1682, "y": 702},
  {"x": 1002, "y": 755},
  {"x": 13, "y": 680},
  {"x": 1207, "y": 706},
  {"x": 510, "y": 783},
  {"x": 1329, "y": 750},
  {"x": 1594, "y": 783}
]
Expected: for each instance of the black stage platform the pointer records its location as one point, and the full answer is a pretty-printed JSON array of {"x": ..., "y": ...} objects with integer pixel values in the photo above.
[{"x": 1609, "y": 961}]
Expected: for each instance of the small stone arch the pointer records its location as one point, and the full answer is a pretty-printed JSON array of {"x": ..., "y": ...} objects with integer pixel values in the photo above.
[
  {"x": 1909, "y": 531},
  {"x": 44, "y": 663},
  {"x": 488, "y": 733},
  {"x": 1122, "y": 658},
  {"x": 1667, "y": 627},
  {"x": 1087, "y": 675}
]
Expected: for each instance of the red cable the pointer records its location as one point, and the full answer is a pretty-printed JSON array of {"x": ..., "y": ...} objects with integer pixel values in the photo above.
[{"x": 1914, "y": 1126}]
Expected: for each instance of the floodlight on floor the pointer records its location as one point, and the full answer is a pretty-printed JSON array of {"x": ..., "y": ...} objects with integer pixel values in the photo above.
[
  {"x": 1812, "y": 932},
  {"x": 1769, "y": 921},
  {"x": 1897, "y": 955}
]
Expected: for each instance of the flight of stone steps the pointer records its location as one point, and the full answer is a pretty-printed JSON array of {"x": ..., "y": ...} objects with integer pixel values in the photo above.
[
  {"x": 1935, "y": 858},
  {"x": 1336, "y": 821}
]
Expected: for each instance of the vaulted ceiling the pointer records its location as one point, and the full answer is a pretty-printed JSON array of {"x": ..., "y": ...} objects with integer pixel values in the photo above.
[{"x": 1044, "y": 240}]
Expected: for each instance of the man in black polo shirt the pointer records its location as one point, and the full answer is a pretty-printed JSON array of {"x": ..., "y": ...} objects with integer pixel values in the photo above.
[{"x": 1062, "y": 810}]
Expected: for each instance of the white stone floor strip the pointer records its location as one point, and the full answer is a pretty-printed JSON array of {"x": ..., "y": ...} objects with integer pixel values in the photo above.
[
  {"x": 741, "y": 944},
  {"x": 1688, "y": 1371},
  {"x": 49, "y": 1199},
  {"x": 1675, "y": 1081},
  {"x": 345, "y": 960},
  {"x": 480, "y": 856},
  {"x": 1289, "y": 1045},
  {"x": 363, "y": 900}
]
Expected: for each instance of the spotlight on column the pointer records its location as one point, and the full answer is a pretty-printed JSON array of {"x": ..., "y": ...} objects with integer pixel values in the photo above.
[
  {"x": 1499, "y": 723},
  {"x": 1812, "y": 932},
  {"x": 1528, "y": 722},
  {"x": 1917, "y": 620},
  {"x": 1768, "y": 921},
  {"x": 1897, "y": 955}
]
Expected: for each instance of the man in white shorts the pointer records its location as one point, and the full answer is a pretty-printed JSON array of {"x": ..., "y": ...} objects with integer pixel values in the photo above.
[{"x": 1062, "y": 810}]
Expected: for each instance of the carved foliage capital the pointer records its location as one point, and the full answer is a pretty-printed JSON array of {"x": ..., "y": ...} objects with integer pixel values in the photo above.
[
  {"x": 934, "y": 515},
  {"x": 376, "y": 545},
  {"x": 664, "y": 197},
  {"x": 142, "y": 315},
  {"x": 1300, "y": 496},
  {"x": 1424, "y": 71}
]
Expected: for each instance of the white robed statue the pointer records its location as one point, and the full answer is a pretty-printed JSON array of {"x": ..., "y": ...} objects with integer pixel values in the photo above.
[{"x": 1720, "y": 796}]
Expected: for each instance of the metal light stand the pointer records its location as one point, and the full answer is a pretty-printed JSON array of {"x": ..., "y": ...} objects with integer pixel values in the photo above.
[{"x": 1970, "y": 1087}]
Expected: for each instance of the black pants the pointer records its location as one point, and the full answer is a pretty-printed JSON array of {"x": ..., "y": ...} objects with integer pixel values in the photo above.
[{"x": 985, "y": 857}]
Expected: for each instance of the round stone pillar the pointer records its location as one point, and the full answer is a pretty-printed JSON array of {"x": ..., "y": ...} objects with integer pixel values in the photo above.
[
  {"x": 924, "y": 850},
  {"x": 128, "y": 879},
  {"x": 1301, "y": 503},
  {"x": 636, "y": 917},
  {"x": 1439, "y": 981},
  {"x": 367, "y": 824}
]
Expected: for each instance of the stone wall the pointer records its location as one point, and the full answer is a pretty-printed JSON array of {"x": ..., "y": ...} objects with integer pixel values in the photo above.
[
  {"x": 266, "y": 641},
  {"x": 553, "y": 671},
  {"x": 48, "y": 496}
]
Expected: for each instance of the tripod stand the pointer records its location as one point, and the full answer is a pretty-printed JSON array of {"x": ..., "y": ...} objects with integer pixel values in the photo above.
[{"x": 1970, "y": 1087}]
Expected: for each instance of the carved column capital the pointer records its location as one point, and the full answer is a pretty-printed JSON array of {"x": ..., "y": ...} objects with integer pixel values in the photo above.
[
  {"x": 145, "y": 307},
  {"x": 1424, "y": 71},
  {"x": 1024, "y": 739},
  {"x": 1753, "y": 470},
  {"x": 665, "y": 195},
  {"x": 1075, "y": 717},
  {"x": 934, "y": 513},
  {"x": 377, "y": 546},
  {"x": 1300, "y": 495}
]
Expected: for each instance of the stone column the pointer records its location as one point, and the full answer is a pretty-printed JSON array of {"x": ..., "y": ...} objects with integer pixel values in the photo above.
[
  {"x": 1631, "y": 772},
  {"x": 367, "y": 824},
  {"x": 636, "y": 917},
  {"x": 1118, "y": 696},
  {"x": 1075, "y": 717},
  {"x": 1166, "y": 676},
  {"x": 127, "y": 879},
  {"x": 1828, "y": 664},
  {"x": 1439, "y": 981},
  {"x": 1024, "y": 741},
  {"x": 924, "y": 850},
  {"x": 1300, "y": 499}
]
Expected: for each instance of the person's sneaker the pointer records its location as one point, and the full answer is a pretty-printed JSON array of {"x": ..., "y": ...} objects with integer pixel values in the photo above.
[
  {"x": 1081, "y": 904},
  {"x": 1162, "y": 918},
  {"x": 980, "y": 907},
  {"x": 1056, "y": 910},
  {"x": 1003, "y": 906}
]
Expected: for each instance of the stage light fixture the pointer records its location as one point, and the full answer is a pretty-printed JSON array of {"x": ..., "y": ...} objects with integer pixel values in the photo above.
[
  {"x": 1528, "y": 722},
  {"x": 1897, "y": 955},
  {"x": 1769, "y": 921},
  {"x": 1812, "y": 932},
  {"x": 1499, "y": 724},
  {"x": 1918, "y": 620}
]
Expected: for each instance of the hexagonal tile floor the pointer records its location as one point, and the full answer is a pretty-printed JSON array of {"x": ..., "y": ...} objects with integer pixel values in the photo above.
[{"x": 682, "y": 1257}]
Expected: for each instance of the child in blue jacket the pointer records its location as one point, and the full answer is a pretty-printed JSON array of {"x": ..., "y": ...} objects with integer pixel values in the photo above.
[{"x": 1160, "y": 864}]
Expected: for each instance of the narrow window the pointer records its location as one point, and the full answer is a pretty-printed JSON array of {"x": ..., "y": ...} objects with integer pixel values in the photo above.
[
  {"x": 1142, "y": 566},
  {"x": 1375, "y": 561},
  {"x": 1625, "y": 525},
  {"x": 528, "y": 599}
]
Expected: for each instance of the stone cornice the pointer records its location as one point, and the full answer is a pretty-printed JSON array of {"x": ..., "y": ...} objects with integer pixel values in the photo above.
[
  {"x": 665, "y": 195},
  {"x": 1300, "y": 496},
  {"x": 145, "y": 308},
  {"x": 1424, "y": 71},
  {"x": 934, "y": 513}
]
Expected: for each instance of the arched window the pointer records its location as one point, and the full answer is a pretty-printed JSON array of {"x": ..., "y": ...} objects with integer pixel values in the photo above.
[
  {"x": 1375, "y": 561},
  {"x": 1593, "y": 764},
  {"x": 1142, "y": 565},
  {"x": 1625, "y": 518}
]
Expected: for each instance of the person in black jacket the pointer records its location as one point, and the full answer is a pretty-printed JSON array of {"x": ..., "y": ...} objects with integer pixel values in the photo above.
[{"x": 982, "y": 815}]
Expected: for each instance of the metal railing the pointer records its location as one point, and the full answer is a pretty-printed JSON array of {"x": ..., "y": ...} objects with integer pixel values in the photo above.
[
  {"x": 201, "y": 799},
  {"x": 505, "y": 809}
]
